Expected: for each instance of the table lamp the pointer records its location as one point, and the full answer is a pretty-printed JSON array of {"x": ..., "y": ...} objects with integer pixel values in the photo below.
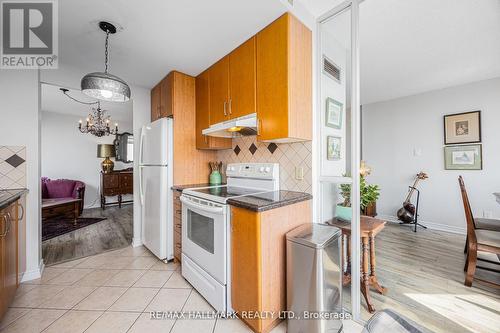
[{"x": 106, "y": 151}]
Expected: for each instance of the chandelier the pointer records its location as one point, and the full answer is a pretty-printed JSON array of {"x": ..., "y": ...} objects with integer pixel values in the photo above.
[
  {"x": 98, "y": 123},
  {"x": 102, "y": 85}
]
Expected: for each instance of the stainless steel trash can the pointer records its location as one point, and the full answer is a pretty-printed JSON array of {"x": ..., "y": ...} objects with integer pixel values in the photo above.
[{"x": 314, "y": 279}]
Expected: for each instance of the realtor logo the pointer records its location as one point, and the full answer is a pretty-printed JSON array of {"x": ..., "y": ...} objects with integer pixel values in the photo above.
[{"x": 29, "y": 34}]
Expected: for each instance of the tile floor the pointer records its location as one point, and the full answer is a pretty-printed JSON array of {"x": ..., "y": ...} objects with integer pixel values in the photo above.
[{"x": 114, "y": 292}]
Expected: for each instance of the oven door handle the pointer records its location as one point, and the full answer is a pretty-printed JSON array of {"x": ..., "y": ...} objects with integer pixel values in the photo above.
[{"x": 215, "y": 210}]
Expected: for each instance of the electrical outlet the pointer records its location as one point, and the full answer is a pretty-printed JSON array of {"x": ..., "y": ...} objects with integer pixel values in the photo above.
[{"x": 299, "y": 173}]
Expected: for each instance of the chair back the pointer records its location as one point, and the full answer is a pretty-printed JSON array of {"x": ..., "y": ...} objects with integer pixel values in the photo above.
[{"x": 468, "y": 212}]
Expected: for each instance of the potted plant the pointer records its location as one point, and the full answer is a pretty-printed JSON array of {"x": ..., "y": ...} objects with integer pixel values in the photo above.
[{"x": 368, "y": 194}]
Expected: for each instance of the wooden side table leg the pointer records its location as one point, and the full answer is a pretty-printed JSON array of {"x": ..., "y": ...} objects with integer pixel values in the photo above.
[
  {"x": 373, "y": 275},
  {"x": 119, "y": 201},
  {"x": 365, "y": 279},
  {"x": 76, "y": 211}
]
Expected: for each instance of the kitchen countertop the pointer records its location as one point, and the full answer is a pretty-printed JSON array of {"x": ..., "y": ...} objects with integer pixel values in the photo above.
[
  {"x": 269, "y": 200},
  {"x": 181, "y": 188},
  {"x": 9, "y": 196}
]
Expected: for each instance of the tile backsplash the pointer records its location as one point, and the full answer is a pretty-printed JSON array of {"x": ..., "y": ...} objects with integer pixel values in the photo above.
[
  {"x": 12, "y": 167},
  {"x": 288, "y": 155}
]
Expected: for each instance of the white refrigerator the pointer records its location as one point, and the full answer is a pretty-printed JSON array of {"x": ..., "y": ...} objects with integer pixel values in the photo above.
[{"x": 155, "y": 172}]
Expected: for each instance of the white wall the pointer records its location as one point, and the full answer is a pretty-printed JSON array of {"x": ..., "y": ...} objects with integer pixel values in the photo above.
[
  {"x": 67, "y": 153},
  {"x": 392, "y": 130},
  {"x": 19, "y": 126}
]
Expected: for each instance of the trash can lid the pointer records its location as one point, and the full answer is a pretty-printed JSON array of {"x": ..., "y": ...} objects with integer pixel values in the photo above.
[{"x": 315, "y": 235}]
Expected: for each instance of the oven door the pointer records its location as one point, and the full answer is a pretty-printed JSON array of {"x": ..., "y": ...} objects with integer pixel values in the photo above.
[{"x": 204, "y": 235}]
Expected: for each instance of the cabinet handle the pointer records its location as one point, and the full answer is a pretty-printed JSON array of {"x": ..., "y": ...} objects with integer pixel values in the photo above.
[
  {"x": 22, "y": 212},
  {"x": 259, "y": 125},
  {"x": 5, "y": 226},
  {"x": 225, "y": 113},
  {"x": 230, "y": 106}
]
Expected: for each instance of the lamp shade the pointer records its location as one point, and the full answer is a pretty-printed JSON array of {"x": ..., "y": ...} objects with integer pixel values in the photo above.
[
  {"x": 106, "y": 150},
  {"x": 106, "y": 87}
]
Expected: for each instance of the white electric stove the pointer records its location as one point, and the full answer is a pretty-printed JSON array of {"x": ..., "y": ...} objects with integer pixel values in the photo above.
[{"x": 206, "y": 228}]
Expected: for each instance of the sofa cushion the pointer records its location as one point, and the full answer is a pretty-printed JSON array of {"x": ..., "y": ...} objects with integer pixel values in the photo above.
[{"x": 60, "y": 188}]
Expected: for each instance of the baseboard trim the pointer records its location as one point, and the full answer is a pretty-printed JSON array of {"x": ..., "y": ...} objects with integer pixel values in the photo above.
[
  {"x": 430, "y": 225},
  {"x": 34, "y": 274},
  {"x": 136, "y": 242}
]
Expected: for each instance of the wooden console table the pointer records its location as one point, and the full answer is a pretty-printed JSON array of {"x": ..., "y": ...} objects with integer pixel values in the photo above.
[
  {"x": 116, "y": 183},
  {"x": 369, "y": 228}
]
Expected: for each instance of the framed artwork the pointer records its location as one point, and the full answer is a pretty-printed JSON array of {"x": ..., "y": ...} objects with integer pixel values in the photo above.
[
  {"x": 463, "y": 157},
  {"x": 333, "y": 113},
  {"x": 462, "y": 128},
  {"x": 333, "y": 148}
]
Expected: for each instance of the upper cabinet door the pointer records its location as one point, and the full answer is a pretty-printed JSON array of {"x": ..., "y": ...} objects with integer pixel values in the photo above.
[
  {"x": 166, "y": 99},
  {"x": 202, "y": 110},
  {"x": 242, "y": 80},
  {"x": 219, "y": 91},
  {"x": 155, "y": 103}
]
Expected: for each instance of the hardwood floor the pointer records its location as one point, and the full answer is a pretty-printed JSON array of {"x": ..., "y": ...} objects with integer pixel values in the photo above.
[
  {"x": 113, "y": 233},
  {"x": 424, "y": 275}
]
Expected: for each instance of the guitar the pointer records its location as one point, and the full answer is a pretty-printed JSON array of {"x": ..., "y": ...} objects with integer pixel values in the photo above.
[{"x": 406, "y": 214}]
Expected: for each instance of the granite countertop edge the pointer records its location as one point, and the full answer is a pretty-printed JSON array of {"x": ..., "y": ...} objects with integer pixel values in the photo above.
[
  {"x": 11, "y": 196},
  {"x": 256, "y": 204}
]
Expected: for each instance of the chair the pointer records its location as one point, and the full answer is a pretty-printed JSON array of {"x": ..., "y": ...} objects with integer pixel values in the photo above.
[
  {"x": 63, "y": 189},
  {"x": 477, "y": 240}
]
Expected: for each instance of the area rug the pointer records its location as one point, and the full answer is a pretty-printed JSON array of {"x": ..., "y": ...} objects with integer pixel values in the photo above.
[{"x": 59, "y": 226}]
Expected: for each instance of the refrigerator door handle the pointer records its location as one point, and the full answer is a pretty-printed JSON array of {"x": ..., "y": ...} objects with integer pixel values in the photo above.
[
  {"x": 141, "y": 144},
  {"x": 141, "y": 186}
]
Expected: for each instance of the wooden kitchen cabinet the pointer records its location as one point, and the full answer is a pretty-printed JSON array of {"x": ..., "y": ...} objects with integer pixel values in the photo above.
[
  {"x": 177, "y": 226},
  {"x": 258, "y": 260},
  {"x": 162, "y": 98},
  {"x": 219, "y": 91},
  {"x": 242, "y": 80},
  {"x": 203, "y": 116},
  {"x": 9, "y": 267},
  {"x": 284, "y": 81}
]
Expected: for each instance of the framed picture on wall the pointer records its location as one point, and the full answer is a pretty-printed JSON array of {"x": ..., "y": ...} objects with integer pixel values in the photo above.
[
  {"x": 462, "y": 127},
  {"x": 463, "y": 157},
  {"x": 333, "y": 113},
  {"x": 333, "y": 148}
]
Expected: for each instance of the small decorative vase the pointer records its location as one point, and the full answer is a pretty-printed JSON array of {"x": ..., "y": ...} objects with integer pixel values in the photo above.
[
  {"x": 343, "y": 213},
  {"x": 215, "y": 178}
]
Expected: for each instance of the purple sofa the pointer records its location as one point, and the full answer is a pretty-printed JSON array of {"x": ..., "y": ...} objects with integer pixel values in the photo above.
[{"x": 63, "y": 188}]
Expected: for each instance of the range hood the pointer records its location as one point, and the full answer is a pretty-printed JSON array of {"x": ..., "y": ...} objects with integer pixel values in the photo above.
[{"x": 242, "y": 126}]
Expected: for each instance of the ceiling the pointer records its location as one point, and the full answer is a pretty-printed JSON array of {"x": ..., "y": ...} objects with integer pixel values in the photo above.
[
  {"x": 158, "y": 36},
  {"x": 53, "y": 100}
]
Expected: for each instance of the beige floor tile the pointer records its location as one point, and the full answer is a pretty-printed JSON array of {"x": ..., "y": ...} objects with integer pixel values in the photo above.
[
  {"x": 194, "y": 325},
  {"x": 73, "y": 322},
  {"x": 133, "y": 251},
  {"x": 48, "y": 274},
  {"x": 124, "y": 278},
  {"x": 36, "y": 296},
  {"x": 143, "y": 263},
  {"x": 134, "y": 299},
  {"x": 95, "y": 262},
  {"x": 24, "y": 288},
  {"x": 70, "y": 263},
  {"x": 114, "y": 253},
  {"x": 97, "y": 278},
  {"x": 34, "y": 321},
  {"x": 118, "y": 263},
  {"x": 196, "y": 302},
  {"x": 71, "y": 276},
  {"x": 169, "y": 300},
  {"x": 177, "y": 281},
  {"x": 231, "y": 326},
  {"x": 11, "y": 315},
  {"x": 67, "y": 298},
  {"x": 153, "y": 279},
  {"x": 113, "y": 322},
  {"x": 161, "y": 266},
  {"x": 145, "y": 324},
  {"x": 101, "y": 299}
]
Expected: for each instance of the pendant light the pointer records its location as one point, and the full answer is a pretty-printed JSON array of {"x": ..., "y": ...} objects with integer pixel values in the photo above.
[{"x": 102, "y": 85}]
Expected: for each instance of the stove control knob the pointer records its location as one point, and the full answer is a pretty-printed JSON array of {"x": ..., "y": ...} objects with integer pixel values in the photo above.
[
  {"x": 261, "y": 169},
  {"x": 267, "y": 169}
]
